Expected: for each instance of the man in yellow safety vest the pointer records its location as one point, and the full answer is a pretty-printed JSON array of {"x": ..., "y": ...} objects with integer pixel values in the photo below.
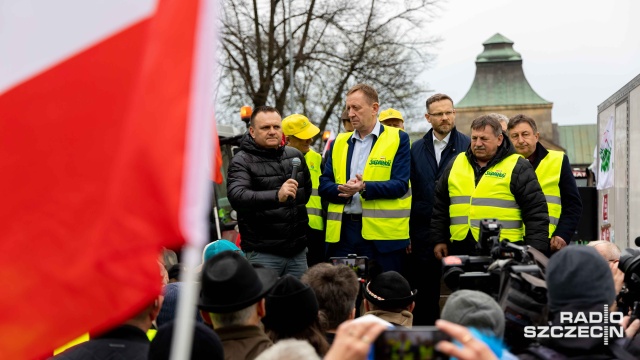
[
  {"x": 299, "y": 132},
  {"x": 489, "y": 181},
  {"x": 366, "y": 182},
  {"x": 555, "y": 176}
]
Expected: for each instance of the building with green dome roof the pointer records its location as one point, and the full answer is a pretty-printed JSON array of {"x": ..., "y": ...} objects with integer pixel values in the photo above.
[{"x": 500, "y": 86}]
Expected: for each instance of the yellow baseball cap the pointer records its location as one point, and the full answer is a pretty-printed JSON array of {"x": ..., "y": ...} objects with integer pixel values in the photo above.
[
  {"x": 390, "y": 113},
  {"x": 299, "y": 126}
]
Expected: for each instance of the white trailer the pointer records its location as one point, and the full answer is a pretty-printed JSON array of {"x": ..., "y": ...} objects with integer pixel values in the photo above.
[{"x": 619, "y": 205}]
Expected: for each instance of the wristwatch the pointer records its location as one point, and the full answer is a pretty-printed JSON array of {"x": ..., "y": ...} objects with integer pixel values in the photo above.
[{"x": 364, "y": 189}]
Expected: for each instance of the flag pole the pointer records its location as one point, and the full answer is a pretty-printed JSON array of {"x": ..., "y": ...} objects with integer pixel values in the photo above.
[
  {"x": 185, "y": 315},
  {"x": 198, "y": 190}
]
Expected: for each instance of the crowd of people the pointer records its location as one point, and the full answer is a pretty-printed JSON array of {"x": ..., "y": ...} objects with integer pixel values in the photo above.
[{"x": 405, "y": 207}]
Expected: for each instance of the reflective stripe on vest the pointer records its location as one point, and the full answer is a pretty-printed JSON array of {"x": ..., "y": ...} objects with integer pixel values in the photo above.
[
  {"x": 548, "y": 172},
  {"x": 314, "y": 206},
  {"x": 382, "y": 219},
  {"x": 491, "y": 199}
]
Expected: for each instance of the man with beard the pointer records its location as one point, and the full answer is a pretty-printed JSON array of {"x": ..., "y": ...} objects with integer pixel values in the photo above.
[
  {"x": 429, "y": 157},
  {"x": 489, "y": 181}
]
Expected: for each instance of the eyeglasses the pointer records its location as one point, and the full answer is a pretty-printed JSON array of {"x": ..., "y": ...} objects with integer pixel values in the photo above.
[{"x": 440, "y": 114}]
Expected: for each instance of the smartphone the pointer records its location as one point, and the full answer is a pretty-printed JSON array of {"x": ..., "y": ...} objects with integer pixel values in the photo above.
[
  {"x": 359, "y": 264},
  {"x": 417, "y": 343}
]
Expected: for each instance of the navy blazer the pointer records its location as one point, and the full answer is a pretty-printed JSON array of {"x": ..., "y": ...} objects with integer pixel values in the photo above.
[{"x": 425, "y": 173}]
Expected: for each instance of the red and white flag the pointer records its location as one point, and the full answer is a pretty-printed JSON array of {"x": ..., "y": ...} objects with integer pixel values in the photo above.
[{"x": 105, "y": 129}]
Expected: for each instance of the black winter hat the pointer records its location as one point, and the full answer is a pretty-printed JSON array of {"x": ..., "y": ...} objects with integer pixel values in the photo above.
[
  {"x": 389, "y": 290},
  {"x": 291, "y": 306},
  {"x": 579, "y": 275}
]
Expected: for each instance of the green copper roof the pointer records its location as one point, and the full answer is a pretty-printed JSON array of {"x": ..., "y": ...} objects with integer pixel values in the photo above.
[
  {"x": 498, "y": 48},
  {"x": 499, "y": 79},
  {"x": 579, "y": 140}
]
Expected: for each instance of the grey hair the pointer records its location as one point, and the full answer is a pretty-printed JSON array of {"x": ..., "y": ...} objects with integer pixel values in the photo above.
[
  {"x": 289, "y": 349},
  {"x": 502, "y": 118},
  {"x": 240, "y": 317},
  {"x": 487, "y": 120},
  {"x": 607, "y": 249}
]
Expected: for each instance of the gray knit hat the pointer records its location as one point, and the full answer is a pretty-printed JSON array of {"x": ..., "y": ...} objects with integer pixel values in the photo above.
[
  {"x": 579, "y": 276},
  {"x": 474, "y": 309}
]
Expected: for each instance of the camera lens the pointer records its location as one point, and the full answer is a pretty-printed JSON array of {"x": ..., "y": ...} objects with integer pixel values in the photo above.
[{"x": 451, "y": 278}]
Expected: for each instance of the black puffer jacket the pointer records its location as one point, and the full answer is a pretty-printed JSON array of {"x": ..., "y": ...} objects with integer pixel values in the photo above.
[
  {"x": 524, "y": 187},
  {"x": 266, "y": 225}
]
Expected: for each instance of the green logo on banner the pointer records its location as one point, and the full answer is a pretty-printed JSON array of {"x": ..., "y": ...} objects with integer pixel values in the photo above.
[{"x": 605, "y": 159}]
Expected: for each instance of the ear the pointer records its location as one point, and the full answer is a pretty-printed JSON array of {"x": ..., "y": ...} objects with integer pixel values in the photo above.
[
  {"x": 353, "y": 314},
  {"x": 500, "y": 138},
  {"x": 206, "y": 317},
  {"x": 412, "y": 306},
  {"x": 426, "y": 116},
  {"x": 155, "y": 308},
  {"x": 537, "y": 136},
  {"x": 366, "y": 305},
  {"x": 376, "y": 107},
  {"x": 261, "y": 308},
  {"x": 252, "y": 132}
]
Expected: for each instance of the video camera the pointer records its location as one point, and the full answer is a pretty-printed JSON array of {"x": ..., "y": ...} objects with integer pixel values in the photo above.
[
  {"x": 477, "y": 272},
  {"x": 512, "y": 274},
  {"x": 629, "y": 296}
]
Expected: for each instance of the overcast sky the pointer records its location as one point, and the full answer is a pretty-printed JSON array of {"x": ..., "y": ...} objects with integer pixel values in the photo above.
[{"x": 575, "y": 53}]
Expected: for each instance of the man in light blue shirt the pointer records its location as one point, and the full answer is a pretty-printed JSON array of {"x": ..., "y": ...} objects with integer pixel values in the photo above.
[{"x": 362, "y": 107}]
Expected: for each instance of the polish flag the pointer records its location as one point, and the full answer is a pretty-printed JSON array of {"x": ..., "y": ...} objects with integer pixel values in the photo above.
[{"x": 106, "y": 119}]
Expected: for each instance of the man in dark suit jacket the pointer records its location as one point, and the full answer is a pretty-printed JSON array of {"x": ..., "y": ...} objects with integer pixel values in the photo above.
[{"x": 429, "y": 157}]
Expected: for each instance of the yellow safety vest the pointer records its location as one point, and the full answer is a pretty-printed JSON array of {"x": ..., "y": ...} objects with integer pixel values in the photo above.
[
  {"x": 548, "y": 172},
  {"x": 491, "y": 199},
  {"x": 382, "y": 219},
  {"x": 314, "y": 206}
]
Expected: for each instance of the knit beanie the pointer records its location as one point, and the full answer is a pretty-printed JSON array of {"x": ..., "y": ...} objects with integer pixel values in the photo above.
[
  {"x": 579, "y": 276},
  {"x": 216, "y": 247},
  {"x": 474, "y": 309},
  {"x": 291, "y": 306},
  {"x": 168, "y": 310},
  {"x": 206, "y": 344}
]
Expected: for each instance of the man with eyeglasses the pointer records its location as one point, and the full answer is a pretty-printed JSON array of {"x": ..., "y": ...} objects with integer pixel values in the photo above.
[
  {"x": 429, "y": 157},
  {"x": 489, "y": 181},
  {"x": 555, "y": 176}
]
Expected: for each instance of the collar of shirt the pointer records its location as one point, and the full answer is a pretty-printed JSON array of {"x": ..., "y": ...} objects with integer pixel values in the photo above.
[
  {"x": 443, "y": 141},
  {"x": 375, "y": 132}
]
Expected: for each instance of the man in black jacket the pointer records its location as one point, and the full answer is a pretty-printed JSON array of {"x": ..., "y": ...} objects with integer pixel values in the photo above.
[
  {"x": 271, "y": 206},
  {"x": 555, "y": 176},
  {"x": 429, "y": 157},
  {"x": 488, "y": 181}
]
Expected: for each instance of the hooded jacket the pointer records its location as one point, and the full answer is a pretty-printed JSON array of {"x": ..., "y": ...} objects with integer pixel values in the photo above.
[
  {"x": 266, "y": 225},
  {"x": 524, "y": 186}
]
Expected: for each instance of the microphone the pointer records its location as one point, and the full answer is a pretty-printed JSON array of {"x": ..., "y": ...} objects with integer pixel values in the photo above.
[{"x": 296, "y": 163}]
